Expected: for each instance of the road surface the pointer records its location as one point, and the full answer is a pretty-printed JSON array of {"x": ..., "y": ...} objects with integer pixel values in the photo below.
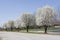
[{"x": 27, "y": 36}]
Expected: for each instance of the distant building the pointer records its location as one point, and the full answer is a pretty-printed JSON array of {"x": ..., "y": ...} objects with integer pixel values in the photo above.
[{"x": 57, "y": 24}]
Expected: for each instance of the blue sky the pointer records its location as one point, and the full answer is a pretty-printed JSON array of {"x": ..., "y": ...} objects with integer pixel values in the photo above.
[{"x": 11, "y": 9}]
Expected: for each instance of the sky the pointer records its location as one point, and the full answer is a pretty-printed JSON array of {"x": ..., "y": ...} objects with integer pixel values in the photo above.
[{"x": 11, "y": 9}]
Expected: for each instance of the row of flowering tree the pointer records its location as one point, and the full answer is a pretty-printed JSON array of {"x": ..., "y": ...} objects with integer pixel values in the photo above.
[{"x": 44, "y": 16}]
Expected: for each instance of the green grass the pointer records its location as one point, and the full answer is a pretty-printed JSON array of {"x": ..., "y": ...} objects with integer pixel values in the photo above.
[
  {"x": 39, "y": 33},
  {"x": 41, "y": 29},
  {"x": 33, "y": 32}
]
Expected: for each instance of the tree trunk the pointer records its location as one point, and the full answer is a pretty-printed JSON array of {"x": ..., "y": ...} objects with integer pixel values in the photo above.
[
  {"x": 27, "y": 28},
  {"x": 11, "y": 28},
  {"x": 18, "y": 29},
  {"x": 45, "y": 29},
  {"x": 6, "y": 29}
]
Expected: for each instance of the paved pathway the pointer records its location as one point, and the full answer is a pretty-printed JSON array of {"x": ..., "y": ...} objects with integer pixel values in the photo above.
[{"x": 27, "y": 36}]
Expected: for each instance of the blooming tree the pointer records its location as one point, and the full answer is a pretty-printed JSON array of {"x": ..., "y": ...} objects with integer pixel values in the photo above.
[
  {"x": 27, "y": 20},
  {"x": 9, "y": 24},
  {"x": 45, "y": 16}
]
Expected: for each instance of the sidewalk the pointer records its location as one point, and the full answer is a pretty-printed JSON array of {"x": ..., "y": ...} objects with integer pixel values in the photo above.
[{"x": 27, "y": 36}]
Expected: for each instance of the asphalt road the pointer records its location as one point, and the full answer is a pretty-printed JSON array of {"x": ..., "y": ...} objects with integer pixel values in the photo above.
[{"x": 27, "y": 36}]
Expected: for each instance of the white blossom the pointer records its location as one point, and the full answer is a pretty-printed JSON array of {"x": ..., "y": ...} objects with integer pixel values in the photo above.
[
  {"x": 27, "y": 19},
  {"x": 45, "y": 16}
]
